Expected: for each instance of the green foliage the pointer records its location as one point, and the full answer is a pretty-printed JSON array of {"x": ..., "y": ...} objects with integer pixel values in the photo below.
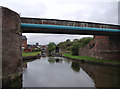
[
  {"x": 75, "y": 66},
  {"x": 62, "y": 45},
  {"x": 55, "y": 60},
  {"x": 24, "y": 54},
  {"x": 89, "y": 58},
  {"x": 75, "y": 49},
  {"x": 68, "y": 45},
  {"x": 68, "y": 40},
  {"x": 33, "y": 50},
  {"x": 86, "y": 40},
  {"x": 75, "y": 40},
  {"x": 51, "y": 60},
  {"x": 51, "y": 47},
  {"x": 69, "y": 48}
]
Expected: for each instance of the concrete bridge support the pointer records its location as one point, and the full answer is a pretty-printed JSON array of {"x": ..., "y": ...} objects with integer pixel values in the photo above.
[
  {"x": 11, "y": 46},
  {"x": 103, "y": 47}
]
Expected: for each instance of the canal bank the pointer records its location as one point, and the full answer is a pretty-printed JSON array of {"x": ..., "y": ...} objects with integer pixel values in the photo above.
[
  {"x": 91, "y": 60},
  {"x": 30, "y": 55}
]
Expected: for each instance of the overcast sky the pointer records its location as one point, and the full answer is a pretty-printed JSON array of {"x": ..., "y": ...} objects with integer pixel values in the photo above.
[{"x": 101, "y": 11}]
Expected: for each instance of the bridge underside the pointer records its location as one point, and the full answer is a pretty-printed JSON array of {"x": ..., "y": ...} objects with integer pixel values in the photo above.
[{"x": 64, "y": 31}]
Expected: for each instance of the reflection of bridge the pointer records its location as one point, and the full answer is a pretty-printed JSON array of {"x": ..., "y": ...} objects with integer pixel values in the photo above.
[{"x": 10, "y": 27}]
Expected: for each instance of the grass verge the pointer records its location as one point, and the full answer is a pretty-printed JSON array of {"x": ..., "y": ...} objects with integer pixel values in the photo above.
[
  {"x": 89, "y": 58},
  {"x": 24, "y": 54}
]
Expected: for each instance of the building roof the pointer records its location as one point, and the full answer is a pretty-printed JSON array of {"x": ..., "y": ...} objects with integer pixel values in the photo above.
[{"x": 24, "y": 38}]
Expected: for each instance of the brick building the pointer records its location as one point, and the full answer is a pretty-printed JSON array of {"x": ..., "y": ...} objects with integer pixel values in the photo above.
[{"x": 24, "y": 42}]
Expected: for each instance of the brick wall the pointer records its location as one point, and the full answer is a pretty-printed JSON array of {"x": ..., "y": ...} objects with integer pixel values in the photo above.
[
  {"x": 11, "y": 46},
  {"x": 103, "y": 47},
  {"x": 0, "y": 46},
  {"x": 24, "y": 43}
]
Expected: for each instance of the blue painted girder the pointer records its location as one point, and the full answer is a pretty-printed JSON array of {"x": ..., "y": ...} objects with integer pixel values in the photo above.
[{"x": 46, "y": 26}]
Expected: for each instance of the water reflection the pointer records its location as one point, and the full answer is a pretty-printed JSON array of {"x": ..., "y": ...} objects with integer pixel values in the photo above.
[
  {"x": 43, "y": 56},
  {"x": 51, "y": 60},
  {"x": 67, "y": 61},
  {"x": 103, "y": 76},
  {"x": 55, "y": 60},
  {"x": 54, "y": 72},
  {"x": 75, "y": 66},
  {"x": 60, "y": 71}
]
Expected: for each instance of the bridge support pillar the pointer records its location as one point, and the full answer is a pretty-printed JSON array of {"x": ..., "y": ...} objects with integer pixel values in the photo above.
[
  {"x": 11, "y": 53},
  {"x": 107, "y": 47},
  {"x": 103, "y": 47}
]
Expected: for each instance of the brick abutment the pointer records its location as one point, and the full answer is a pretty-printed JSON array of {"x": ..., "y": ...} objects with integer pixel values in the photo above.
[{"x": 11, "y": 46}]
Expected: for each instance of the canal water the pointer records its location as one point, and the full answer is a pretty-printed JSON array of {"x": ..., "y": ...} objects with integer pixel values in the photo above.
[{"x": 62, "y": 72}]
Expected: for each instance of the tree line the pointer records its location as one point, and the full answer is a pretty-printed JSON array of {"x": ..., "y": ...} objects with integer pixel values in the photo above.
[{"x": 70, "y": 46}]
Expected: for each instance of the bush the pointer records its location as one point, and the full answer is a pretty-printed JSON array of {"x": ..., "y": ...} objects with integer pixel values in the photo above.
[
  {"x": 68, "y": 40},
  {"x": 51, "y": 47},
  {"x": 75, "y": 49}
]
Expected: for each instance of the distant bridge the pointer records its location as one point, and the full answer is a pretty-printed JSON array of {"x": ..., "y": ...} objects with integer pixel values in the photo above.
[{"x": 36, "y": 25}]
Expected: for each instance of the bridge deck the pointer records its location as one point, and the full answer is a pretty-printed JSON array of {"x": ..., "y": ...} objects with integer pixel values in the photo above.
[{"x": 36, "y": 25}]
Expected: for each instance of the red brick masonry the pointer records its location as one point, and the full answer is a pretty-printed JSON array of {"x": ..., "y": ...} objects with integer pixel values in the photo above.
[{"x": 103, "y": 47}]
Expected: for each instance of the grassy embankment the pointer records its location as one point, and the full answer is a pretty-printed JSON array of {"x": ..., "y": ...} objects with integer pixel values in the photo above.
[
  {"x": 25, "y": 54},
  {"x": 89, "y": 58}
]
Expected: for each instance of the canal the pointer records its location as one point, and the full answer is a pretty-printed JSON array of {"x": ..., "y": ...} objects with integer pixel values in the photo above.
[{"x": 62, "y": 72}]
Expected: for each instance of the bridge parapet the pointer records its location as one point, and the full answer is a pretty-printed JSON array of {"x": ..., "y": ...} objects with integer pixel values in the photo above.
[{"x": 68, "y": 23}]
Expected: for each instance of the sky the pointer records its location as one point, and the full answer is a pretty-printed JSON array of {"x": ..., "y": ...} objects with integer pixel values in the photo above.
[{"x": 101, "y": 11}]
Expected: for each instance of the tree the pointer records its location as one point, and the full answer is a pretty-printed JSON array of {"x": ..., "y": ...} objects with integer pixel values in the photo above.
[
  {"x": 75, "y": 49},
  {"x": 75, "y": 40},
  {"x": 84, "y": 41},
  {"x": 62, "y": 45},
  {"x": 68, "y": 44},
  {"x": 51, "y": 47},
  {"x": 68, "y": 40}
]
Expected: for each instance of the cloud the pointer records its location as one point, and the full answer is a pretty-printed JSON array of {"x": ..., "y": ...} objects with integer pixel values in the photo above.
[
  {"x": 105, "y": 11},
  {"x": 119, "y": 12},
  {"x": 27, "y": 8},
  {"x": 94, "y": 12}
]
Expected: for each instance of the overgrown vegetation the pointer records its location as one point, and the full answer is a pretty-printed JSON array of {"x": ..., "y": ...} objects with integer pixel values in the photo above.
[
  {"x": 51, "y": 47},
  {"x": 73, "y": 46},
  {"x": 75, "y": 49}
]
